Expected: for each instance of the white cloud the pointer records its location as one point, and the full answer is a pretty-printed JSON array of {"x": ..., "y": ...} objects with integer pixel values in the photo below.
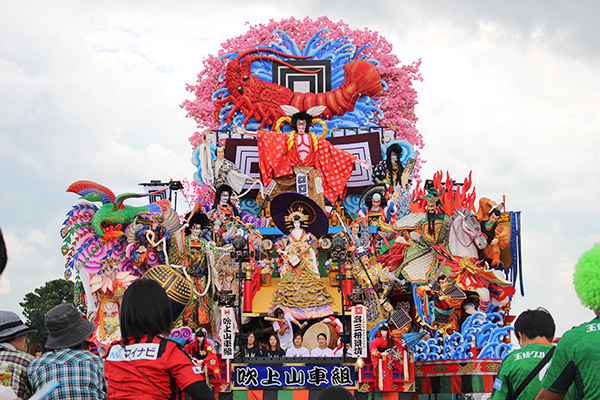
[{"x": 4, "y": 285}]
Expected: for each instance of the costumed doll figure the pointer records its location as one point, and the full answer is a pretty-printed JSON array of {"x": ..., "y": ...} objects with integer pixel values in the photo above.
[
  {"x": 301, "y": 291},
  {"x": 359, "y": 235},
  {"x": 421, "y": 260},
  {"x": 374, "y": 208},
  {"x": 150, "y": 243},
  {"x": 399, "y": 320},
  {"x": 489, "y": 287},
  {"x": 390, "y": 170},
  {"x": 370, "y": 273},
  {"x": 203, "y": 352},
  {"x": 498, "y": 236},
  {"x": 282, "y": 156},
  {"x": 223, "y": 215},
  {"x": 395, "y": 171},
  {"x": 189, "y": 249},
  {"x": 225, "y": 172},
  {"x": 227, "y": 217},
  {"x": 447, "y": 300},
  {"x": 107, "y": 289},
  {"x": 386, "y": 355}
]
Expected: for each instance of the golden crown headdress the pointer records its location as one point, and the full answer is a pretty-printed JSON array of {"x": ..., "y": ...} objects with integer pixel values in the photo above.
[{"x": 297, "y": 214}]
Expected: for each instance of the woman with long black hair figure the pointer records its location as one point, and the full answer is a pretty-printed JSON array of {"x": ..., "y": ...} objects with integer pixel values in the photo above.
[{"x": 145, "y": 363}]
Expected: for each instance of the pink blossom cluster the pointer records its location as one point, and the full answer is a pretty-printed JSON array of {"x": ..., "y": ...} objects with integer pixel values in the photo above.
[
  {"x": 198, "y": 194},
  {"x": 197, "y": 139},
  {"x": 398, "y": 102}
]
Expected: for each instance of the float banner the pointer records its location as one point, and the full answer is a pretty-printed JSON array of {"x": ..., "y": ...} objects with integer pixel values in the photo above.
[
  {"x": 305, "y": 394},
  {"x": 359, "y": 331},
  {"x": 276, "y": 377},
  {"x": 227, "y": 334}
]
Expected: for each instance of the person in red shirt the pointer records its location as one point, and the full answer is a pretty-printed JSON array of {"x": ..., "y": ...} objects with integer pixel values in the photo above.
[{"x": 145, "y": 363}]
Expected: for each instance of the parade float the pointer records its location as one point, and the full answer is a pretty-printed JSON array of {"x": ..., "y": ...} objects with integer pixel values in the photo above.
[{"x": 307, "y": 198}]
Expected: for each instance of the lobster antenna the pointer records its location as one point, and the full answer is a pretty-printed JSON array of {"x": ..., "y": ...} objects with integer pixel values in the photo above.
[
  {"x": 267, "y": 50},
  {"x": 315, "y": 111},
  {"x": 290, "y": 110}
]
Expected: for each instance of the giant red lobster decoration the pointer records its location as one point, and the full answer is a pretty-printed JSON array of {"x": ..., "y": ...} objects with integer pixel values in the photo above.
[{"x": 262, "y": 100}]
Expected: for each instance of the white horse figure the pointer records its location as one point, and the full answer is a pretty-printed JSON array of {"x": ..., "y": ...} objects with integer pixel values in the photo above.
[
  {"x": 465, "y": 234},
  {"x": 464, "y": 240}
]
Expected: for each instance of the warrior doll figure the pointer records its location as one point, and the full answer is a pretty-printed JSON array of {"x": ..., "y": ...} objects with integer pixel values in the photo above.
[
  {"x": 498, "y": 236},
  {"x": 190, "y": 251}
]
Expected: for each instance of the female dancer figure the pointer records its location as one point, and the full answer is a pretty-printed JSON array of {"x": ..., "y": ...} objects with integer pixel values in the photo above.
[
  {"x": 301, "y": 292},
  {"x": 383, "y": 358}
]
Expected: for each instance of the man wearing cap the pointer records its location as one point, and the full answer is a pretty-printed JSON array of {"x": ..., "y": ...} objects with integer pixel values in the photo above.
[
  {"x": 13, "y": 352},
  {"x": 576, "y": 359},
  {"x": 79, "y": 371}
]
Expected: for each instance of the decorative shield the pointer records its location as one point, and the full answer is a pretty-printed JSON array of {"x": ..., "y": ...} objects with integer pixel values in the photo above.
[{"x": 318, "y": 223}]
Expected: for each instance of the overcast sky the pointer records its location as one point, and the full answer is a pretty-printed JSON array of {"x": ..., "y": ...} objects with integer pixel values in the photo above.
[{"x": 510, "y": 91}]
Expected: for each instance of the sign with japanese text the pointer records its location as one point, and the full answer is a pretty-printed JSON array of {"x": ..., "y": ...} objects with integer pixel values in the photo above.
[
  {"x": 359, "y": 331},
  {"x": 276, "y": 377},
  {"x": 227, "y": 332}
]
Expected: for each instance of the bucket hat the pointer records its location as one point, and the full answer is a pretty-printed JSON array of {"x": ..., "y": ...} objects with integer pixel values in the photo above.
[
  {"x": 11, "y": 326},
  {"x": 66, "y": 327}
]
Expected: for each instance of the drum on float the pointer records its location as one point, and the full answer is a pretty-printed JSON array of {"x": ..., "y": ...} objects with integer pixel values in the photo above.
[{"x": 310, "y": 337}]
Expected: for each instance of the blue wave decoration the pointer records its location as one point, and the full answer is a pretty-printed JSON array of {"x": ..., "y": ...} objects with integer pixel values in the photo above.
[{"x": 479, "y": 330}]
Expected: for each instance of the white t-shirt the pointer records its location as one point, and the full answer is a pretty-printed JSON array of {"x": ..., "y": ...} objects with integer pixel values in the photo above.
[
  {"x": 287, "y": 339},
  {"x": 340, "y": 352},
  {"x": 294, "y": 352},
  {"x": 317, "y": 352}
]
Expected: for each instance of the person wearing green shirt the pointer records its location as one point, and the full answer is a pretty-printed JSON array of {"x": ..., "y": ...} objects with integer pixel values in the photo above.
[
  {"x": 534, "y": 330},
  {"x": 577, "y": 356}
]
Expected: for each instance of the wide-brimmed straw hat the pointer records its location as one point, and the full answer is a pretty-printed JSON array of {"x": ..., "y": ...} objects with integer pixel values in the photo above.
[
  {"x": 11, "y": 326},
  {"x": 66, "y": 327}
]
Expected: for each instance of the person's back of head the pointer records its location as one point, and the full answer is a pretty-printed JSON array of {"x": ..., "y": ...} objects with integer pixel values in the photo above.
[
  {"x": 67, "y": 329},
  {"x": 3, "y": 256},
  {"x": 145, "y": 310},
  {"x": 534, "y": 323},
  {"x": 335, "y": 392}
]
